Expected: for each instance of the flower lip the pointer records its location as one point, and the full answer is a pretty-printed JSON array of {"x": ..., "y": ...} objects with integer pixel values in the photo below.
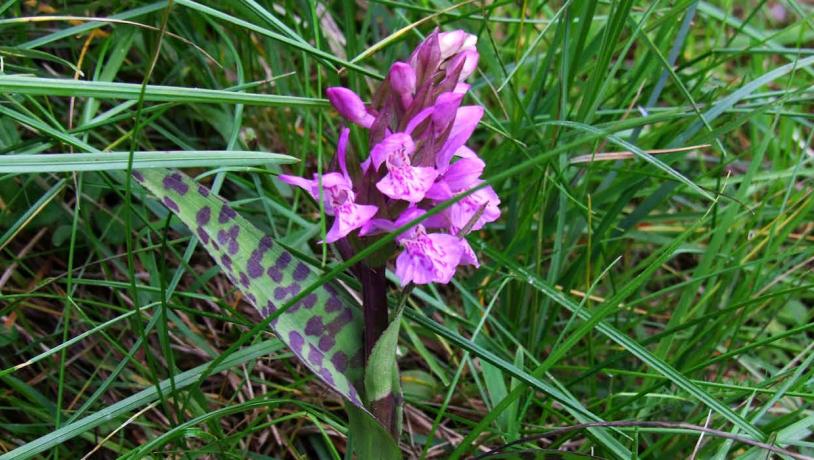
[
  {"x": 397, "y": 144},
  {"x": 403, "y": 181}
]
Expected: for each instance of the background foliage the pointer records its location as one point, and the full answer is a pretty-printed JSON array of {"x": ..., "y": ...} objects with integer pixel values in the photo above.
[{"x": 639, "y": 287}]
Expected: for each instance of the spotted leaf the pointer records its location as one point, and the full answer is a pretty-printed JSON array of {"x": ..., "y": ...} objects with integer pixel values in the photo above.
[{"x": 322, "y": 329}]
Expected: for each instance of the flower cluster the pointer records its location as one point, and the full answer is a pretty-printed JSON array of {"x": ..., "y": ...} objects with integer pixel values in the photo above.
[{"x": 418, "y": 129}]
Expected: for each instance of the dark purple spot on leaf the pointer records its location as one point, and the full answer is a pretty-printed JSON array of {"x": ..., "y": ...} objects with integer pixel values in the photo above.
[
  {"x": 254, "y": 267},
  {"x": 228, "y": 238},
  {"x": 340, "y": 361},
  {"x": 333, "y": 304},
  {"x": 226, "y": 214},
  {"x": 175, "y": 182},
  {"x": 244, "y": 280},
  {"x": 203, "y": 215},
  {"x": 294, "y": 289},
  {"x": 315, "y": 357},
  {"x": 275, "y": 274},
  {"x": 283, "y": 260},
  {"x": 268, "y": 309},
  {"x": 314, "y": 326},
  {"x": 345, "y": 317},
  {"x": 265, "y": 243},
  {"x": 295, "y": 341},
  {"x": 226, "y": 261},
  {"x": 309, "y": 301},
  {"x": 170, "y": 203},
  {"x": 280, "y": 292},
  {"x": 202, "y": 235},
  {"x": 301, "y": 272},
  {"x": 327, "y": 376},
  {"x": 203, "y": 191},
  {"x": 326, "y": 342},
  {"x": 138, "y": 176}
]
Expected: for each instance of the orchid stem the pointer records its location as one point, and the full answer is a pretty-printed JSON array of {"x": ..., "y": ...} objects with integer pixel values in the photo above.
[{"x": 374, "y": 305}]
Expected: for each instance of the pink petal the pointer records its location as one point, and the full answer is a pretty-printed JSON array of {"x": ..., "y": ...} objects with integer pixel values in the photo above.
[
  {"x": 468, "y": 256},
  {"x": 445, "y": 109},
  {"x": 332, "y": 179},
  {"x": 445, "y": 256},
  {"x": 350, "y": 106},
  {"x": 342, "y": 150},
  {"x": 439, "y": 191},
  {"x": 404, "y": 268},
  {"x": 466, "y": 119},
  {"x": 461, "y": 88},
  {"x": 376, "y": 226},
  {"x": 407, "y": 183},
  {"x": 462, "y": 212},
  {"x": 411, "y": 213},
  {"x": 468, "y": 60},
  {"x": 464, "y": 173},
  {"x": 465, "y": 152},
  {"x": 455, "y": 41},
  {"x": 418, "y": 119},
  {"x": 349, "y": 217},
  {"x": 402, "y": 80},
  {"x": 428, "y": 258},
  {"x": 436, "y": 221},
  {"x": 390, "y": 145},
  {"x": 307, "y": 185}
]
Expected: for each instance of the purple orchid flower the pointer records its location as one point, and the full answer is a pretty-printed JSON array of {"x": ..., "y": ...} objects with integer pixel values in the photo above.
[
  {"x": 427, "y": 257},
  {"x": 417, "y": 130},
  {"x": 403, "y": 181},
  {"x": 339, "y": 198}
]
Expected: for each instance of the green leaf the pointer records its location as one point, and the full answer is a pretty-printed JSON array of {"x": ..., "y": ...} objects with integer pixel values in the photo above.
[
  {"x": 381, "y": 364},
  {"x": 322, "y": 328},
  {"x": 106, "y": 90},
  {"x": 64, "y": 162},
  {"x": 368, "y": 438}
]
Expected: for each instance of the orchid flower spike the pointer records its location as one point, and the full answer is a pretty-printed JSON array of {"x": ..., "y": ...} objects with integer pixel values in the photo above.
[{"x": 417, "y": 133}]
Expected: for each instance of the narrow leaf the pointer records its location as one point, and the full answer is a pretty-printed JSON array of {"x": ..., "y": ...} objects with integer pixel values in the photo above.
[
  {"x": 110, "y": 90},
  {"x": 64, "y": 162}
]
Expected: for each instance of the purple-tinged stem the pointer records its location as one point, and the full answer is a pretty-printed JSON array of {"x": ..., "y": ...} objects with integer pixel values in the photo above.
[{"x": 374, "y": 305}]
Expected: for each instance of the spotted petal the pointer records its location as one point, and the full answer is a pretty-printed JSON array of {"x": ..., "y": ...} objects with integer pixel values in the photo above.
[
  {"x": 349, "y": 217},
  {"x": 429, "y": 258},
  {"x": 407, "y": 183}
]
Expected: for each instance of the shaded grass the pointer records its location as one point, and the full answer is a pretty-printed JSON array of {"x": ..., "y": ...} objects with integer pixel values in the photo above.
[{"x": 670, "y": 288}]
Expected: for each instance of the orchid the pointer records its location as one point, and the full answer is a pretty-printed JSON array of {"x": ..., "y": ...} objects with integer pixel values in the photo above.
[{"x": 417, "y": 130}]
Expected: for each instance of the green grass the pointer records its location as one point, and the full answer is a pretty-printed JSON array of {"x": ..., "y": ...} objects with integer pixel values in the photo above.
[{"x": 654, "y": 306}]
